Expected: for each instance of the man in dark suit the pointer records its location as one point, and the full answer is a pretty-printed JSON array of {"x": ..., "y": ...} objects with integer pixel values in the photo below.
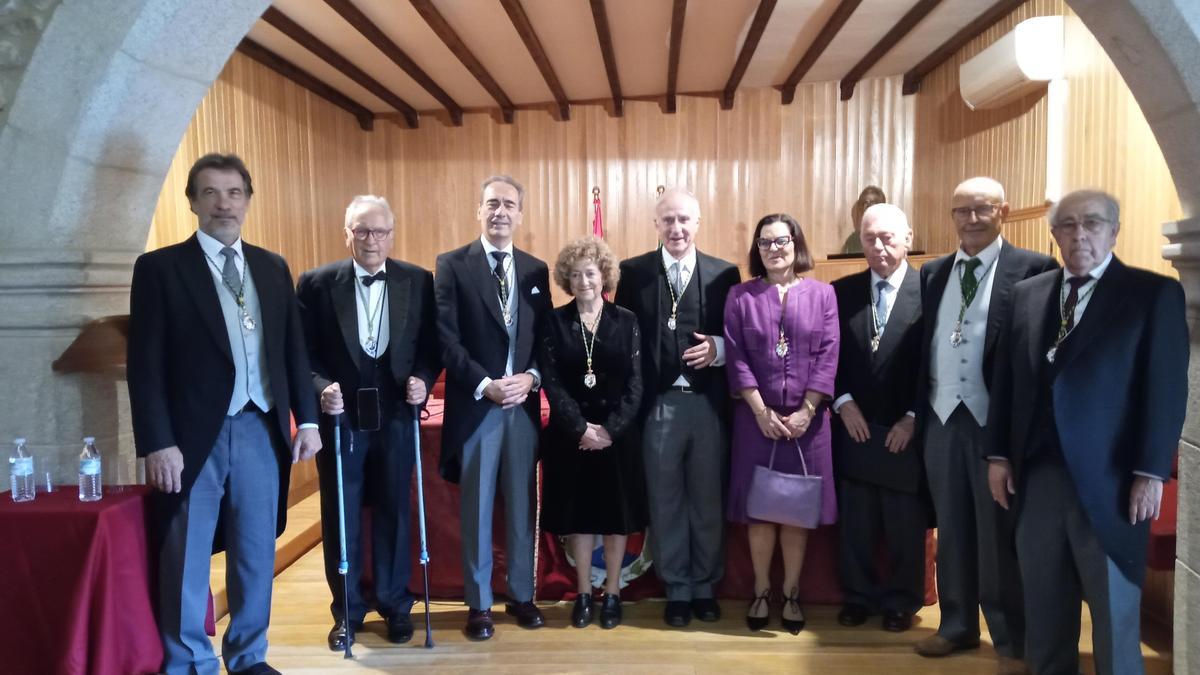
[
  {"x": 678, "y": 295},
  {"x": 490, "y": 299},
  {"x": 369, "y": 323},
  {"x": 217, "y": 365},
  {"x": 965, "y": 299},
  {"x": 1090, "y": 392},
  {"x": 878, "y": 466}
]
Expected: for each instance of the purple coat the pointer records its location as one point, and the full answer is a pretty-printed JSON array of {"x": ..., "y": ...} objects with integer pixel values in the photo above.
[{"x": 752, "y": 323}]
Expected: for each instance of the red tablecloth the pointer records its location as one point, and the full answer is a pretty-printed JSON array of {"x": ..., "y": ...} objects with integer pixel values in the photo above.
[
  {"x": 556, "y": 576},
  {"x": 74, "y": 585}
]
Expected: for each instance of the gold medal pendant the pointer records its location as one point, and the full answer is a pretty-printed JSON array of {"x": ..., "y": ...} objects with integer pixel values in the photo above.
[
  {"x": 589, "y": 380},
  {"x": 671, "y": 323},
  {"x": 248, "y": 321},
  {"x": 781, "y": 347},
  {"x": 507, "y": 319},
  {"x": 874, "y": 344},
  {"x": 956, "y": 338},
  {"x": 1050, "y": 354},
  {"x": 371, "y": 345}
]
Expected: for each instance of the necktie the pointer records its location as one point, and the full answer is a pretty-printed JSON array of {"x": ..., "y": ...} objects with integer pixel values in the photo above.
[
  {"x": 969, "y": 283},
  {"x": 501, "y": 276},
  {"x": 1073, "y": 298},
  {"x": 229, "y": 271},
  {"x": 368, "y": 280},
  {"x": 881, "y": 310},
  {"x": 676, "y": 278}
]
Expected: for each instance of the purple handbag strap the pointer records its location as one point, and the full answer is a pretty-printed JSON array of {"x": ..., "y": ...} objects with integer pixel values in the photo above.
[{"x": 803, "y": 464}]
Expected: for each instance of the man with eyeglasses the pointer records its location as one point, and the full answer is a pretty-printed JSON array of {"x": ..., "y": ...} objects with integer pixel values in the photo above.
[
  {"x": 491, "y": 297},
  {"x": 965, "y": 297},
  {"x": 370, "y": 326},
  {"x": 678, "y": 295},
  {"x": 1088, "y": 403}
]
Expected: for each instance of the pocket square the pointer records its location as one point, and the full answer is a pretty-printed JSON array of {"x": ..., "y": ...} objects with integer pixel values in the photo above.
[{"x": 535, "y": 291}]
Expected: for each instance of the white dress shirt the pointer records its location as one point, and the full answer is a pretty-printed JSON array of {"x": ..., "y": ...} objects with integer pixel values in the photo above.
[{"x": 376, "y": 306}]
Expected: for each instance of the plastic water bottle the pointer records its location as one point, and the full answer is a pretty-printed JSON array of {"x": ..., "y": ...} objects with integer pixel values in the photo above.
[
  {"x": 21, "y": 470},
  {"x": 89, "y": 471}
]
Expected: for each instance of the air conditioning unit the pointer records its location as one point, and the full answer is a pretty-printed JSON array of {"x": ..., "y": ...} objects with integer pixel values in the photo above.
[{"x": 1019, "y": 63}]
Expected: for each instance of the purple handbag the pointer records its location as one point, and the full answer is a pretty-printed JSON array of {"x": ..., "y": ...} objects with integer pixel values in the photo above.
[{"x": 785, "y": 498}]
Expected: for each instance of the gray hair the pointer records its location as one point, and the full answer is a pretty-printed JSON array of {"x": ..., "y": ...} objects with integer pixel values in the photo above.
[
  {"x": 981, "y": 185},
  {"x": 891, "y": 212},
  {"x": 676, "y": 192},
  {"x": 507, "y": 180},
  {"x": 1111, "y": 205},
  {"x": 363, "y": 203}
]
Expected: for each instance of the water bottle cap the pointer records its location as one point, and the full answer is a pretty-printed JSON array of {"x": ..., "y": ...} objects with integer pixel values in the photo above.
[
  {"x": 89, "y": 439},
  {"x": 19, "y": 440}
]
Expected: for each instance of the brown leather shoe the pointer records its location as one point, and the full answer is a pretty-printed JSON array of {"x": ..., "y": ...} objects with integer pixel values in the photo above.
[
  {"x": 936, "y": 645},
  {"x": 526, "y": 613},
  {"x": 479, "y": 625},
  {"x": 1010, "y": 666}
]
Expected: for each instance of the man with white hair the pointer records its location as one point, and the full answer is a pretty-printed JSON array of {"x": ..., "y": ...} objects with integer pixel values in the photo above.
[
  {"x": 371, "y": 330},
  {"x": 878, "y": 463},
  {"x": 966, "y": 296},
  {"x": 1088, "y": 402}
]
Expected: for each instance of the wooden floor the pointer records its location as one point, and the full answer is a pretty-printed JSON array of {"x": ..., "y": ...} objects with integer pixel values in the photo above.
[{"x": 300, "y": 621}]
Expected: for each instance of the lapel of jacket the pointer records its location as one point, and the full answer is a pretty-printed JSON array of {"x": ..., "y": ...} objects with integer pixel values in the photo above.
[
  {"x": 907, "y": 306},
  {"x": 1040, "y": 319},
  {"x": 1102, "y": 311},
  {"x": 271, "y": 300},
  {"x": 399, "y": 297},
  {"x": 479, "y": 267},
  {"x": 858, "y": 318},
  {"x": 524, "y": 286},
  {"x": 652, "y": 300},
  {"x": 199, "y": 281},
  {"x": 343, "y": 295},
  {"x": 1008, "y": 272}
]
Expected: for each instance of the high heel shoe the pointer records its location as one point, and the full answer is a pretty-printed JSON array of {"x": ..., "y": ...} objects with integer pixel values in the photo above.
[
  {"x": 792, "y": 602},
  {"x": 757, "y": 623}
]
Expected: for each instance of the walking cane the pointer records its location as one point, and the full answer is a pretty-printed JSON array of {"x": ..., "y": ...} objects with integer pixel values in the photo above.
[
  {"x": 343, "y": 564},
  {"x": 421, "y": 521}
]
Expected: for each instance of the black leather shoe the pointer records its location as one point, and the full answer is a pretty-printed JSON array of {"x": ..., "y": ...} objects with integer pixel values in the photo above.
[
  {"x": 338, "y": 634},
  {"x": 526, "y": 613},
  {"x": 896, "y": 621},
  {"x": 610, "y": 611},
  {"x": 678, "y": 613},
  {"x": 792, "y": 603},
  {"x": 760, "y": 604},
  {"x": 581, "y": 615},
  {"x": 853, "y": 614},
  {"x": 399, "y": 628},
  {"x": 260, "y": 668},
  {"x": 706, "y": 609},
  {"x": 479, "y": 625}
]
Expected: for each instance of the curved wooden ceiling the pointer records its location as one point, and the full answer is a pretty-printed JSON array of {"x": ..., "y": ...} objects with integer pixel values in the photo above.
[{"x": 413, "y": 59}]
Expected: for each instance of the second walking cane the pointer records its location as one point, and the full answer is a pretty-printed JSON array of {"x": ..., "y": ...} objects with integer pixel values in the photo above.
[
  {"x": 421, "y": 520},
  {"x": 343, "y": 564}
]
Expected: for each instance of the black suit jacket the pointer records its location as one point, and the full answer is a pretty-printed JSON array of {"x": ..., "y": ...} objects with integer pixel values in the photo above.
[
  {"x": 641, "y": 289},
  {"x": 474, "y": 340},
  {"x": 1119, "y": 393},
  {"x": 329, "y": 313},
  {"x": 1013, "y": 264},
  {"x": 180, "y": 364}
]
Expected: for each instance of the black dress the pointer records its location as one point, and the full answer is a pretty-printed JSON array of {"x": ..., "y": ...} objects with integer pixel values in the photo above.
[{"x": 592, "y": 491}]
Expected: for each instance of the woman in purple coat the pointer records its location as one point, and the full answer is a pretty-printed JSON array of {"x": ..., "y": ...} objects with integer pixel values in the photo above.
[{"x": 781, "y": 347}]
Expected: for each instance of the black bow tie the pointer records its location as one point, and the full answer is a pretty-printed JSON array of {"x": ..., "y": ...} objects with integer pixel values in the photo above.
[{"x": 368, "y": 280}]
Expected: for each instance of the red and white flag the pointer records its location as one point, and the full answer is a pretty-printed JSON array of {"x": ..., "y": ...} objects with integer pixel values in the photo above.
[{"x": 597, "y": 216}]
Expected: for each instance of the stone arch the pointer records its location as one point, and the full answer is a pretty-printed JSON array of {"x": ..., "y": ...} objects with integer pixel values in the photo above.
[{"x": 93, "y": 104}]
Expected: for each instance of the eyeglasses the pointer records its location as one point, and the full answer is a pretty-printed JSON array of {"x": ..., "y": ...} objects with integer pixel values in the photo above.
[
  {"x": 1093, "y": 224},
  {"x": 362, "y": 234},
  {"x": 778, "y": 242},
  {"x": 981, "y": 211}
]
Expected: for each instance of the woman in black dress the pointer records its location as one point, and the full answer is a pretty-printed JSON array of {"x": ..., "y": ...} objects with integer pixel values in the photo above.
[{"x": 591, "y": 457}]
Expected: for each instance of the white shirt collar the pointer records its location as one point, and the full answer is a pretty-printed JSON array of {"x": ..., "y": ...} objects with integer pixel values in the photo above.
[
  {"x": 360, "y": 271},
  {"x": 1095, "y": 273},
  {"x": 895, "y": 280},
  {"x": 987, "y": 256},
  {"x": 488, "y": 248},
  {"x": 212, "y": 247},
  {"x": 688, "y": 262}
]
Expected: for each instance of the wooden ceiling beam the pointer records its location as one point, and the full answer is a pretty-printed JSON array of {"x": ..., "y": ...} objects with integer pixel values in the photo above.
[
  {"x": 454, "y": 43},
  {"x": 912, "y": 79},
  {"x": 828, "y": 31},
  {"x": 908, "y": 22},
  {"x": 359, "y": 21},
  {"x": 678, "y": 11},
  {"x": 305, "y": 39},
  {"x": 366, "y": 118},
  {"x": 759, "y": 24},
  {"x": 600, "y": 17},
  {"x": 520, "y": 21}
]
